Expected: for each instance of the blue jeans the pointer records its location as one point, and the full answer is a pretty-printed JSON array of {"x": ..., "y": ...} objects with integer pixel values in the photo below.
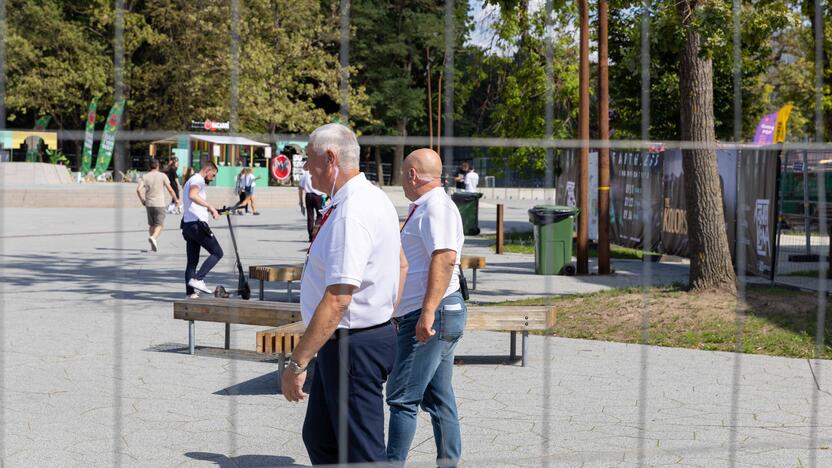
[{"x": 422, "y": 377}]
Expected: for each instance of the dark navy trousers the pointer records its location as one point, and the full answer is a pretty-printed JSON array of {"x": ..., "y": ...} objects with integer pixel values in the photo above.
[
  {"x": 199, "y": 236},
  {"x": 347, "y": 425}
]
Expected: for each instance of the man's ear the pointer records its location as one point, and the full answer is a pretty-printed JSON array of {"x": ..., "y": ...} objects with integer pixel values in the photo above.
[{"x": 331, "y": 157}]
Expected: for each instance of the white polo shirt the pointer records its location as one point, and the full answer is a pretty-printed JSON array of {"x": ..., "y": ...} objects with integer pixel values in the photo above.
[
  {"x": 472, "y": 179},
  {"x": 305, "y": 183},
  {"x": 194, "y": 212},
  {"x": 434, "y": 225},
  {"x": 358, "y": 244}
]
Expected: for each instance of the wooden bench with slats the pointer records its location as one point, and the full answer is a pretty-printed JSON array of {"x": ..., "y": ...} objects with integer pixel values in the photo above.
[
  {"x": 469, "y": 262},
  {"x": 287, "y": 273},
  {"x": 293, "y": 273},
  {"x": 282, "y": 340},
  {"x": 238, "y": 311}
]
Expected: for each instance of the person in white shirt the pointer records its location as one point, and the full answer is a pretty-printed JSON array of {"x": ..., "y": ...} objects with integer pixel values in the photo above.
[
  {"x": 469, "y": 178},
  {"x": 313, "y": 201},
  {"x": 348, "y": 290},
  {"x": 249, "y": 182},
  {"x": 196, "y": 231},
  {"x": 472, "y": 180},
  {"x": 430, "y": 316}
]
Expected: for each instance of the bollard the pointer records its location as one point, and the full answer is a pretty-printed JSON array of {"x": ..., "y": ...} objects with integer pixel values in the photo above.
[{"x": 500, "y": 229}]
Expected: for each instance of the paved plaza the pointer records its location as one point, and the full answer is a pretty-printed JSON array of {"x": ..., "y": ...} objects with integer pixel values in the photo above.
[{"x": 94, "y": 370}]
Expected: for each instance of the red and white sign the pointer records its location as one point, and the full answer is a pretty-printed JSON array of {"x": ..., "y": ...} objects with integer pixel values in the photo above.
[
  {"x": 281, "y": 167},
  {"x": 210, "y": 125}
]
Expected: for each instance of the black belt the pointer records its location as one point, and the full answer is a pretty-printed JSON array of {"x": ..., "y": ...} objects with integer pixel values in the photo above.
[{"x": 341, "y": 332}]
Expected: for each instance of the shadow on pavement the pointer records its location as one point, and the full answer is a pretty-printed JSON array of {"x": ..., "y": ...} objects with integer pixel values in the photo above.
[
  {"x": 482, "y": 360},
  {"x": 224, "y": 461},
  {"x": 267, "y": 384}
]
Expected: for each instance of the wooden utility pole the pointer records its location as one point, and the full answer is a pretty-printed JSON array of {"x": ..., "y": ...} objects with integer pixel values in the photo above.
[
  {"x": 430, "y": 99},
  {"x": 583, "y": 169},
  {"x": 500, "y": 228},
  {"x": 604, "y": 136}
]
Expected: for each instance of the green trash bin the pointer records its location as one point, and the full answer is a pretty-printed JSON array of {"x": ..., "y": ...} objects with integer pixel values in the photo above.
[
  {"x": 553, "y": 239},
  {"x": 468, "y": 204}
]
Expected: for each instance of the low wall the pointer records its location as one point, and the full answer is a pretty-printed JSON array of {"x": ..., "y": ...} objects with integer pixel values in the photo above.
[{"x": 33, "y": 173}]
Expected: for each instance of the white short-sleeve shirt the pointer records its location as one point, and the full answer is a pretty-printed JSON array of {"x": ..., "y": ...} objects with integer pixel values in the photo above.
[
  {"x": 472, "y": 179},
  {"x": 434, "y": 225},
  {"x": 305, "y": 183},
  {"x": 194, "y": 212},
  {"x": 358, "y": 244}
]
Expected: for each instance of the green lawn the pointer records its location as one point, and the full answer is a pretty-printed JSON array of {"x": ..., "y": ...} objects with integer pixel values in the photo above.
[
  {"x": 523, "y": 242},
  {"x": 776, "y": 321}
]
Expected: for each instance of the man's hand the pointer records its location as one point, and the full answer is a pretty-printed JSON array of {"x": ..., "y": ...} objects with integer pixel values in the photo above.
[
  {"x": 424, "y": 327},
  {"x": 213, "y": 211},
  {"x": 302, "y": 208},
  {"x": 291, "y": 385}
]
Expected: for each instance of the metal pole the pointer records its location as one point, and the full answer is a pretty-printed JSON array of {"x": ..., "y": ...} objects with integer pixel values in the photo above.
[
  {"x": 583, "y": 177},
  {"x": 450, "y": 42},
  {"x": 344, "y": 60},
  {"x": 500, "y": 230},
  {"x": 604, "y": 130},
  {"x": 807, "y": 223}
]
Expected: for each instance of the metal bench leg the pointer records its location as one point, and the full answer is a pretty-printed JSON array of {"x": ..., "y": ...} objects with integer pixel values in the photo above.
[
  {"x": 190, "y": 336},
  {"x": 525, "y": 347},
  {"x": 227, "y": 336},
  {"x": 262, "y": 296},
  {"x": 474, "y": 287},
  {"x": 289, "y": 290},
  {"x": 513, "y": 347}
]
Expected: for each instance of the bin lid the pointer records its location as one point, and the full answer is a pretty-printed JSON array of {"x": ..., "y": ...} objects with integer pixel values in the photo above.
[
  {"x": 466, "y": 196},
  {"x": 548, "y": 214}
]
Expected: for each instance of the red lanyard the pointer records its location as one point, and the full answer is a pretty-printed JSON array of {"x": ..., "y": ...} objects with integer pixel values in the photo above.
[
  {"x": 321, "y": 226},
  {"x": 412, "y": 210}
]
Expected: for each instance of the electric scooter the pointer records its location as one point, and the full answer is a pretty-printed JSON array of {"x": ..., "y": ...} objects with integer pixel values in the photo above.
[{"x": 243, "y": 289}]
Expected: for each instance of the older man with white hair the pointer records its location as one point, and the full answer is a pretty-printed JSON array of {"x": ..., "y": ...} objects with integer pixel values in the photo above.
[{"x": 352, "y": 278}]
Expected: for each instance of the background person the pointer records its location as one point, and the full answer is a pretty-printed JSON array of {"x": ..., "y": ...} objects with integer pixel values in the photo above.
[
  {"x": 430, "y": 316},
  {"x": 173, "y": 178},
  {"x": 349, "y": 287},
  {"x": 240, "y": 189},
  {"x": 313, "y": 201},
  {"x": 249, "y": 182},
  {"x": 196, "y": 232},
  {"x": 151, "y": 192},
  {"x": 472, "y": 179}
]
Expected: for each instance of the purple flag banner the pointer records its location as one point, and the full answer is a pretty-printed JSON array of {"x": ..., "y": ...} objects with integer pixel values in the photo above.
[{"x": 765, "y": 130}]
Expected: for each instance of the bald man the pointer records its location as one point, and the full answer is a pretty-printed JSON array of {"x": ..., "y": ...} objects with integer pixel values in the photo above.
[{"x": 430, "y": 315}]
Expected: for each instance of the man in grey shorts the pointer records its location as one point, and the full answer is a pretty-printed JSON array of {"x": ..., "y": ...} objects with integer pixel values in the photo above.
[{"x": 151, "y": 192}]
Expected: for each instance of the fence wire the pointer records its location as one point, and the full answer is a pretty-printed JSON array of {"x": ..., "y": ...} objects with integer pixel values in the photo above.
[{"x": 802, "y": 230}]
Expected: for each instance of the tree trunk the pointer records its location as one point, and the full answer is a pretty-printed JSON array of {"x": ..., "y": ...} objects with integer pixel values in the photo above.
[
  {"x": 398, "y": 154},
  {"x": 710, "y": 258},
  {"x": 379, "y": 167}
]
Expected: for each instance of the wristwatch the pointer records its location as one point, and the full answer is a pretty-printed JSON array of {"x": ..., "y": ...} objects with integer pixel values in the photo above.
[{"x": 294, "y": 367}]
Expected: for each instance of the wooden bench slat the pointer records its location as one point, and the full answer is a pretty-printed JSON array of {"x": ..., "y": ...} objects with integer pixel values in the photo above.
[
  {"x": 492, "y": 318},
  {"x": 295, "y": 272},
  {"x": 237, "y": 311},
  {"x": 468, "y": 262},
  {"x": 276, "y": 272}
]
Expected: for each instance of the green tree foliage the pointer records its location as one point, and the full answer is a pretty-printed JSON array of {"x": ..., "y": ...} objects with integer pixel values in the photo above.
[
  {"x": 759, "y": 22},
  {"x": 56, "y": 61},
  {"x": 392, "y": 46},
  {"x": 510, "y": 83}
]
